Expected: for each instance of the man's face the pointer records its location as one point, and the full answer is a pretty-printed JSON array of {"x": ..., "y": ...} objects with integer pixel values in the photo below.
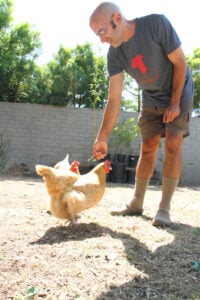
[{"x": 107, "y": 29}]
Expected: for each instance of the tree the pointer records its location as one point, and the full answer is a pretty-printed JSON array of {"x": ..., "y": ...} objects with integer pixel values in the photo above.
[
  {"x": 131, "y": 88},
  {"x": 77, "y": 77},
  {"x": 19, "y": 47},
  {"x": 6, "y": 9},
  {"x": 92, "y": 88},
  {"x": 57, "y": 76},
  {"x": 194, "y": 63},
  {"x": 35, "y": 88},
  {"x": 99, "y": 84}
]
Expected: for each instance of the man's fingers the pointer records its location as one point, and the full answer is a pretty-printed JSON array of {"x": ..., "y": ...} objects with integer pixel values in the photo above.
[{"x": 99, "y": 155}]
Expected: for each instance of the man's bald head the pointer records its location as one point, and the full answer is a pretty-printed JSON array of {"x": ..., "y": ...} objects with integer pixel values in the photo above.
[{"x": 104, "y": 11}]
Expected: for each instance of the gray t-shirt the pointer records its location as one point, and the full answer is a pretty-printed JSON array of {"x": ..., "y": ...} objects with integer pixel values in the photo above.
[{"x": 144, "y": 57}]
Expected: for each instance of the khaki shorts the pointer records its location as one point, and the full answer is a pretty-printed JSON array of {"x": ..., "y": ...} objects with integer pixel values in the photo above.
[{"x": 150, "y": 121}]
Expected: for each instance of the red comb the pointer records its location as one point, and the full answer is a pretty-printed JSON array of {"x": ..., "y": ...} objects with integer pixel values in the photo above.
[
  {"x": 107, "y": 165},
  {"x": 76, "y": 163}
]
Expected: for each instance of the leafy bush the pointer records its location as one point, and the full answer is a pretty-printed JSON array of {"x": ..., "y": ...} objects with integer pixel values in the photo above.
[
  {"x": 4, "y": 152},
  {"x": 123, "y": 134}
]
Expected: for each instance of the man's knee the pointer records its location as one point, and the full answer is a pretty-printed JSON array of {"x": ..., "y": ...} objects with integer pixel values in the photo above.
[
  {"x": 173, "y": 142},
  {"x": 150, "y": 146},
  {"x": 173, "y": 147}
]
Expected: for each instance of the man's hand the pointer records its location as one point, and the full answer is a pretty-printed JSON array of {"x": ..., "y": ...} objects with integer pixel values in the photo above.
[
  {"x": 171, "y": 113},
  {"x": 100, "y": 149}
]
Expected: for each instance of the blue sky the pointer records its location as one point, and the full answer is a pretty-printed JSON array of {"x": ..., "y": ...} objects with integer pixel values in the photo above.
[{"x": 66, "y": 22}]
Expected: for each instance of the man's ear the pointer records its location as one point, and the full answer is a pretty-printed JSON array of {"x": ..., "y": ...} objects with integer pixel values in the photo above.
[
  {"x": 117, "y": 18},
  {"x": 43, "y": 170}
]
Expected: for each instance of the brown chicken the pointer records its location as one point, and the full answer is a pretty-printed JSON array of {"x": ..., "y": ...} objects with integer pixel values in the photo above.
[{"x": 70, "y": 193}]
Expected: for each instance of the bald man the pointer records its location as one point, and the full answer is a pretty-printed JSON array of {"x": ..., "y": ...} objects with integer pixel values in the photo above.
[{"x": 149, "y": 50}]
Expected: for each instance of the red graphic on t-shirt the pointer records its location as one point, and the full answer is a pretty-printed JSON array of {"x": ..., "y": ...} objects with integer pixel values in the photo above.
[{"x": 137, "y": 63}]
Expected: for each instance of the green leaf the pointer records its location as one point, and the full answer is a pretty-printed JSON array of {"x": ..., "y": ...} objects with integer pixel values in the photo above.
[
  {"x": 31, "y": 291},
  {"x": 196, "y": 265}
]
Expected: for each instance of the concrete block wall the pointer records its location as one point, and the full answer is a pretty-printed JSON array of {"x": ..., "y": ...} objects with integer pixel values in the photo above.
[
  {"x": 191, "y": 158},
  {"x": 44, "y": 134}
]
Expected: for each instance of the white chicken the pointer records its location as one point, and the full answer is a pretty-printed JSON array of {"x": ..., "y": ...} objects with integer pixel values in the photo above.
[{"x": 70, "y": 193}]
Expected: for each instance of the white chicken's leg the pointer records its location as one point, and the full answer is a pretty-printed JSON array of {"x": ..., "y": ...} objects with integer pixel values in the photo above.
[{"x": 73, "y": 221}]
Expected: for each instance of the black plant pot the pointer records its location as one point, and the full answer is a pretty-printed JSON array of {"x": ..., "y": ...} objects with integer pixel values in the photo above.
[
  {"x": 130, "y": 176},
  {"x": 120, "y": 158},
  {"x": 107, "y": 157},
  {"x": 84, "y": 168},
  {"x": 132, "y": 160},
  {"x": 118, "y": 172}
]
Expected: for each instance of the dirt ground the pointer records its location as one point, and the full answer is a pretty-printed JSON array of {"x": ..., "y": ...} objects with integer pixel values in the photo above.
[{"x": 104, "y": 256}]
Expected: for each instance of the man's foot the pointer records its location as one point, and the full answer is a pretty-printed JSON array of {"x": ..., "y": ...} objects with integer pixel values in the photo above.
[
  {"x": 161, "y": 219},
  {"x": 128, "y": 211}
]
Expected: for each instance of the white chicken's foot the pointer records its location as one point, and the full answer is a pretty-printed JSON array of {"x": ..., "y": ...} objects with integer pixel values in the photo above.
[{"x": 73, "y": 221}]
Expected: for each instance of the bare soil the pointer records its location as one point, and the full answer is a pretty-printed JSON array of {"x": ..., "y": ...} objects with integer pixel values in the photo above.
[{"x": 104, "y": 256}]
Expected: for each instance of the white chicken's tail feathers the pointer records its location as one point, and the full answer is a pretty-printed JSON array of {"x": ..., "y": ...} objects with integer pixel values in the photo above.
[{"x": 64, "y": 163}]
